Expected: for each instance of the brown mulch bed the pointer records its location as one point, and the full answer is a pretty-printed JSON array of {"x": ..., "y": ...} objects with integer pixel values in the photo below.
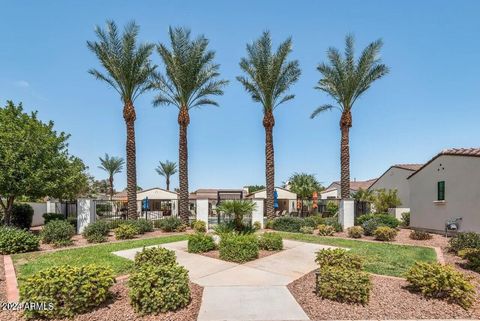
[
  {"x": 389, "y": 300},
  {"x": 215, "y": 254}
]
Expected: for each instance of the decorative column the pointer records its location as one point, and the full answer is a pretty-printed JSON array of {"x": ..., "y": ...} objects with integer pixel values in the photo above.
[
  {"x": 85, "y": 213},
  {"x": 346, "y": 213},
  {"x": 202, "y": 211},
  {"x": 257, "y": 214}
]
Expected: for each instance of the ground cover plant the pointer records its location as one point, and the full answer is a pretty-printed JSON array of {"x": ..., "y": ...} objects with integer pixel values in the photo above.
[
  {"x": 419, "y": 235},
  {"x": 270, "y": 242},
  {"x": 156, "y": 256},
  {"x": 464, "y": 240},
  {"x": 14, "y": 240},
  {"x": 238, "y": 248},
  {"x": 473, "y": 258},
  {"x": 200, "y": 242}
]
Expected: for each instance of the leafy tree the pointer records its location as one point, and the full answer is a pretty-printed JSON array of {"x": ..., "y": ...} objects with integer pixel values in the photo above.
[
  {"x": 385, "y": 199},
  {"x": 34, "y": 160},
  {"x": 364, "y": 195},
  {"x": 268, "y": 77},
  {"x": 112, "y": 165},
  {"x": 304, "y": 185},
  {"x": 189, "y": 81},
  {"x": 254, "y": 188},
  {"x": 237, "y": 208},
  {"x": 345, "y": 80},
  {"x": 167, "y": 170},
  {"x": 128, "y": 71},
  {"x": 96, "y": 187}
]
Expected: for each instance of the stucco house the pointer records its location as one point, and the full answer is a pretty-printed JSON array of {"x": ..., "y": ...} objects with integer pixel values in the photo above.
[
  {"x": 160, "y": 201},
  {"x": 287, "y": 200},
  {"x": 333, "y": 191},
  {"x": 446, "y": 187}
]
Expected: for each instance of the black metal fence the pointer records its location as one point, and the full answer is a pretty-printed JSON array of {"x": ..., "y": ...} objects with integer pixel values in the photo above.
[
  {"x": 110, "y": 210},
  {"x": 67, "y": 208}
]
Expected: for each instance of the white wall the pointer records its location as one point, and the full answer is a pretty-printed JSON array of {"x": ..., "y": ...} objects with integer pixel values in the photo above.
[
  {"x": 38, "y": 210},
  {"x": 462, "y": 193},
  {"x": 396, "y": 178},
  {"x": 329, "y": 194}
]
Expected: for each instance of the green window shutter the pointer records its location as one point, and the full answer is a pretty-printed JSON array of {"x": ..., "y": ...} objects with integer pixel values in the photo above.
[{"x": 441, "y": 191}]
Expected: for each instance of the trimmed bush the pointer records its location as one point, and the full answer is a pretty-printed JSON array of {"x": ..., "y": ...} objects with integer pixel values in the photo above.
[
  {"x": 287, "y": 224},
  {"x": 370, "y": 226},
  {"x": 47, "y": 217},
  {"x": 238, "y": 248},
  {"x": 270, "y": 242},
  {"x": 465, "y": 240},
  {"x": 158, "y": 289},
  {"x": 156, "y": 256},
  {"x": 385, "y": 233},
  {"x": 200, "y": 242},
  {"x": 306, "y": 230},
  {"x": 326, "y": 230},
  {"x": 96, "y": 232},
  {"x": 13, "y": 241},
  {"x": 313, "y": 221},
  {"x": 333, "y": 221},
  {"x": 126, "y": 231},
  {"x": 363, "y": 218},
  {"x": 72, "y": 290},
  {"x": 339, "y": 258},
  {"x": 473, "y": 258},
  {"x": 406, "y": 219},
  {"x": 420, "y": 235},
  {"x": 169, "y": 224},
  {"x": 435, "y": 280},
  {"x": 58, "y": 233},
  {"x": 343, "y": 285},
  {"x": 382, "y": 220},
  {"x": 355, "y": 232},
  {"x": 143, "y": 225},
  {"x": 22, "y": 215},
  {"x": 200, "y": 226}
]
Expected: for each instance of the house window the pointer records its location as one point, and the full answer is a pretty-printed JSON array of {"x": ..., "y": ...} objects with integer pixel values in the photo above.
[{"x": 441, "y": 190}]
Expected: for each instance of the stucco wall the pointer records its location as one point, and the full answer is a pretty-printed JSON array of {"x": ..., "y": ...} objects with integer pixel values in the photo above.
[
  {"x": 462, "y": 193},
  {"x": 330, "y": 194},
  {"x": 396, "y": 178}
]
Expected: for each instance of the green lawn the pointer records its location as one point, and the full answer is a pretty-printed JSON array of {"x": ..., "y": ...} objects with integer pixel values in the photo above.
[
  {"x": 29, "y": 263},
  {"x": 380, "y": 258}
]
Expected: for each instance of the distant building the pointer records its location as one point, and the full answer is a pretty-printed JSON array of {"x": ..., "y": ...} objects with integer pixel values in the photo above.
[{"x": 333, "y": 191}]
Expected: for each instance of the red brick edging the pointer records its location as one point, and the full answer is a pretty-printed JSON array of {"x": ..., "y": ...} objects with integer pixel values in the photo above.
[{"x": 10, "y": 279}]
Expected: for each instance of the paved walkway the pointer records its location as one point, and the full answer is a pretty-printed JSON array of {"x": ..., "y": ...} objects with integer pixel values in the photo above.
[{"x": 252, "y": 291}]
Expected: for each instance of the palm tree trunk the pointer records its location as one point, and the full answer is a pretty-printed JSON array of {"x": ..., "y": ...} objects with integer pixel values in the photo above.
[
  {"x": 130, "y": 116},
  {"x": 168, "y": 183},
  {"x": 345, "y": 124},
  {"x": 111, "y": 186},
  {"x": 268, "y": 123},
  {"x": 183, "y": 121}
]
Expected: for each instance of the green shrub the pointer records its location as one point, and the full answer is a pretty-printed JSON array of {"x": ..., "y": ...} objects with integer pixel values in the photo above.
[
  {"x": 13, "y": 241},
  {"x": 287, "y": 224},
  {"x": 159, "y": 289},
  {"x": 58, "y": 233},
  {"x": 200, "y": 226},
  {"x": 143, "y": 225},
  {"x": 306, "y": 230},
  {"x": 238, "y": 248},
  {"x": 370, "y": 226},
  {"x": 257, "y": 225},
  {"x": 435, "y": 280},
  {"x": 406, "y": 219},
  {"x": 382, "y": 220},
  {"x": 420, "y": 235},
  {"x": 156, "y": 256},
  {"x": 332, "y": 208},
  {"x": 200, "y": 242},
  {"x": 343, "y": 285},
  {"x": 47, "y": 217},
  {"x": 96, "y": 232},
  {"x": 465, "y": 240},
  {"x": 326, "y": 230},
  {"x": 363, "y": 218},
  {"x": 181, "y": 228},
  {"x": 333, "y": 221},
  {"x": 169, "y": 224},
  {"x": 270, "y": 242},
  {"x": 269, "y": 224},
  {"x": 355, "y": 232},
  {"x": 385, "y": 233},
  {"x": 473, "y": 258},
  {"x": 22, "y": 215},
  {"x": 126, "y": 231},
  {"x": 113, "y": 224},
  {"x": 72, "y": 290},
  {"x": 339, "y": 258},
  {"x": 313, "y": 221}
]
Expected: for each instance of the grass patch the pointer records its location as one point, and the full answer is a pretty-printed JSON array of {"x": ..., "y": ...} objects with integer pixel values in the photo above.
[
  {"x": 28, "y": 263},
  {"x": 380, "y": 258}
]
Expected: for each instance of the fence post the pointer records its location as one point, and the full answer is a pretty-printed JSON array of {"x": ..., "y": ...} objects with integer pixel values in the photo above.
[
  {"x": 85, "y": 213},
  {"x": 257, "y": 214},
  {"x": 51, "y": 207},
  {"x": 202, "y": 211},
  {"x": 346, "y": 213}
]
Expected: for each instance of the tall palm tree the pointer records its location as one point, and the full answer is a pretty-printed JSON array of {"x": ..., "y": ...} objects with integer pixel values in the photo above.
[
  {"x": 190, "y": 79},
  {"x": 345, "y": 80},
  {"x": 268, "y": 77},
  {"x": 167, "y": 170},
  {"x": 112, "y": 165},
  {"x": 128, "y": 71}
]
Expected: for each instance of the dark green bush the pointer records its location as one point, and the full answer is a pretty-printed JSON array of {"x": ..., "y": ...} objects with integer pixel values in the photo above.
[
  {"x": 420, "y": 235},
  {"x": 333, "y": 221},
  {"x": 200, "y": 242},
  {"x": 269, "y": 224},
  {"x": 58, "y": 233},
  {"x": 126, "y": 231},
  {"x": 370, "y": 226},
  {"x": 406, "y": 219},
  {"x": 343, "y": 285},
  {"x": 313, "y": 221},
  {"x": 238, "y": 248},
  {"x": 355, "y": 232},
  {"x": 96, "y": 232},
  {"x": 72, "y": 290},
  {"x": 13, "y": 241},
  {"x": 465, "y": 240},
  {"x": 156, "y": 256},
  {"x": 339, "y": 258},
  {"x": 385, "y": 233},
  {"x": 47, "y": 217},
  {"x": 287, "y": 224},
  {"x": 382, "y": 220},
  {"x": 435, "y": 280},
  {"x": 159, "y": 289},
  {"x": 169, "y": 224},
  {"x": 473, "y": 258},
  {"x": 363, "y": 218},
  {"x": 257, "y": 225},
  {"x": 143, "y": 225},
  {"x": 270, "y": 242},
  {"x": 200, "y": 226},
  {"x": 22, "y": 215}
]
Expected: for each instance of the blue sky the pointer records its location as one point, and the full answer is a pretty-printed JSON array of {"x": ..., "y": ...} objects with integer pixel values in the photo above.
[{"x": 428, "y": 102}]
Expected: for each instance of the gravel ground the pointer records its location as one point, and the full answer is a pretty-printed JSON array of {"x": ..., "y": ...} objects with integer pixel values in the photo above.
[
  {"x": 216, "y": 254},
  {"x": 389, "y": 300}
]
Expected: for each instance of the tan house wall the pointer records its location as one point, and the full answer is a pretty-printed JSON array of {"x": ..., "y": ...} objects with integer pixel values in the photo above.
[
  {"x": 462, "y": 193},
  {"x": 396, "y": 178}
]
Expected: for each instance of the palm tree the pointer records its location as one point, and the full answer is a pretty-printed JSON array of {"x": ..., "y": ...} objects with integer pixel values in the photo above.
[
  {"x": 166, "y": 170},
  {"x": 237, "y": 208},
  {"x": 190, "y": 79},
  {"x": 304, "y": 185},
  {"x": 345, "y": 80},
  {"x": 112, "y": 165},
  {"x": 128, "y": 71},
  {"x": 268, "y": 76}
]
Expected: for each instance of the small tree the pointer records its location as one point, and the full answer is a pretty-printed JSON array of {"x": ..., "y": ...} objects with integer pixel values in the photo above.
[
  {"x": 364, "y": 195},
  {"x": 237, "y": 208},
  {"x": 34, "y": 160},
  {"x": 112, "y": 165},
  {"x": 385, "y": 199},
  {"x": 304, "y": 185}
]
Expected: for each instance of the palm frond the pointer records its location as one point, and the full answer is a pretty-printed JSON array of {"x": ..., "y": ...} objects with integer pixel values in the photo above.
[{"x": 321, "y": 109}]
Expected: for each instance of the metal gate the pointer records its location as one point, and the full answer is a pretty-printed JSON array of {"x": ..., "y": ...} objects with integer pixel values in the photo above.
[{"x": 215, "y": 217}]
